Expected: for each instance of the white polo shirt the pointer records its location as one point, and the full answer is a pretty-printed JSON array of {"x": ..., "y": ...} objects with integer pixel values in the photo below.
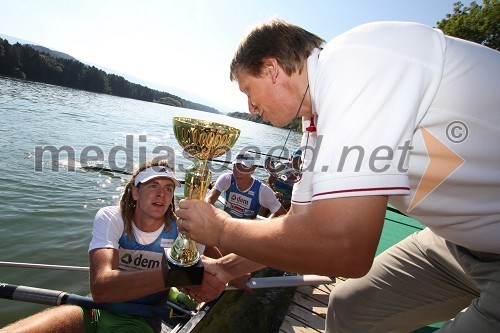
[{"x": 396, "y": 101}]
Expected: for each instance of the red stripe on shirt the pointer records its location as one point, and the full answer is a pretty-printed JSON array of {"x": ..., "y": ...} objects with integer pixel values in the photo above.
[
  {"x": 308, "y": 201},
  {"x": 363, "y": 190}
]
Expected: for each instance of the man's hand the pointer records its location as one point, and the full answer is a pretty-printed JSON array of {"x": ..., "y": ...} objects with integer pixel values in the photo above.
[{"x": 201, "y": 221}]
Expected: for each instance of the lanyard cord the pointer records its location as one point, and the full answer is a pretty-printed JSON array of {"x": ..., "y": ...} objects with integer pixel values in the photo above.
[{"x": 296, "y": 114}]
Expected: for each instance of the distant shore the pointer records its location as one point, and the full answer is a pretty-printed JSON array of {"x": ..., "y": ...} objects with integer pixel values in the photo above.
[{"x": 295, "y": 125}]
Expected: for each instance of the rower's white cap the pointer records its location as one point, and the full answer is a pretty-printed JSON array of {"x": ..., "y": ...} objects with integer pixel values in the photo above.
[
  {"x": 245, "y": 158},
  {"x": 155, "y": 172}
]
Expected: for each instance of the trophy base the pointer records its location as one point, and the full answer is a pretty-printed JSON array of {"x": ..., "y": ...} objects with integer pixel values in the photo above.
[{"x": 182, "y": 276}]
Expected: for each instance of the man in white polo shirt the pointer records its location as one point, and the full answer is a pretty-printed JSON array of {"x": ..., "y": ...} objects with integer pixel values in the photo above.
[{"x": 404, "y": 115}]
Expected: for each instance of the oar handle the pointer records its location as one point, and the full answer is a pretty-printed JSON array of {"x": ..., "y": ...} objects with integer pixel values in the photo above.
[
  {"x": 30, "y": 294},
  {"x": 286, "y": 281},
  {"x": 56, "y": 298}
]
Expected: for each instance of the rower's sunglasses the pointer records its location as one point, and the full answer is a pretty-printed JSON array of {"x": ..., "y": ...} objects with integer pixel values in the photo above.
[
  {"x": 283, "y": 171},
  {"x": 243, "y": 157}
]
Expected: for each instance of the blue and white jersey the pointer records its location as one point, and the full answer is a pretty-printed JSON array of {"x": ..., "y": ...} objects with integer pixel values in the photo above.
[
  {"x": 243, "y": 204},
  {"x": 134, "y": 255},
  {"x": 142, "y": 250}
]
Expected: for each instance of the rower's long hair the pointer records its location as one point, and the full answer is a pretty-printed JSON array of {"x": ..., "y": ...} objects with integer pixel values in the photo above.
[{"x": 128, "y": 204}]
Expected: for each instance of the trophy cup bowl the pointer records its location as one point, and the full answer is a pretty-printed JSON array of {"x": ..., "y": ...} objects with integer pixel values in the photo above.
[{"x": 203, "y": 140}]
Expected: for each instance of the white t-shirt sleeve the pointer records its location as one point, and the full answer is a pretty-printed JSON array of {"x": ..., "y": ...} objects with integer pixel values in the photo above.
[
  {"x": 267, "y": 199},
  {"x": 107, "y": 228},
  {"x": 371, "y": 87},
  {"x": 223, "y": 182}
]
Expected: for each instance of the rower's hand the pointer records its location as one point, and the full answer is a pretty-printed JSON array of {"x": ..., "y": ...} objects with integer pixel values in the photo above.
[
  {"x": 241, "y": 282},
  {"x": 214, "y": 282},
  {"x": 201, "y": 221}
]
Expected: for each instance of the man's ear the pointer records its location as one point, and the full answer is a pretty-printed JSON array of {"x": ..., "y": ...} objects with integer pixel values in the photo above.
[
  {"x": 270, "y": 67},
  {"x": 135, "y": 192}
]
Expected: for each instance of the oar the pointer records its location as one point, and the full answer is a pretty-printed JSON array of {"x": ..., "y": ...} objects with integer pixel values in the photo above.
[
  {"x": 43, "y": 266},
  {"x": 98, "y": 168},
  {"x": 124, "y": 172},
  {"x": 256, "y": 152},
  {"x": 228, "y": 162},
  {"x": 286, "y": 281},
  {"x": 56, "y": 298},
  {"x": 254, "y": 283},
  {"x": 220, "y": 161}
]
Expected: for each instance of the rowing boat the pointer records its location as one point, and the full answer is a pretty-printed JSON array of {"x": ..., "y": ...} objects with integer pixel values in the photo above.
[
  {"x": 216, "y": 316},
  {"x": 275, "y": 302},
  {"x": 213, "y": 315},
  {"x": 175, "y": 316}
]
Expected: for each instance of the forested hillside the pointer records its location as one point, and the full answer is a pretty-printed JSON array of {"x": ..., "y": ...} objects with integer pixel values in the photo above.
[{"x": 25, "y": 62}]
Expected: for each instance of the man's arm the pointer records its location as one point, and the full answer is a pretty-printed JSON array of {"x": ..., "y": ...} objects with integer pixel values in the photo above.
[
  {"x": 107, "y": 281},
  {"x": 332, "y": 237}
]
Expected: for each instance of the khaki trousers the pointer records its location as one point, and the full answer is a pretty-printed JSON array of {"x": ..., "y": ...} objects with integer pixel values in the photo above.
[{"x": 421, "y": 280}]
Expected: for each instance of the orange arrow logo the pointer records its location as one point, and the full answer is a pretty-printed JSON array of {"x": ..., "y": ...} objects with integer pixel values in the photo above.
[{"x": 443, "y": 161}]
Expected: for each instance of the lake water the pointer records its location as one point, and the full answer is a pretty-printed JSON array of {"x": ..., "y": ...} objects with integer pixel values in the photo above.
[{"x": 47, "y": 207}]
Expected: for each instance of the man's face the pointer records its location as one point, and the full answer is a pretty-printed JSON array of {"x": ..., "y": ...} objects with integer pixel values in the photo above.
[
  {"x": 241, "y": 173},
  {"x": 269, "y": 99},
  {"x": 153, "y": 198}
]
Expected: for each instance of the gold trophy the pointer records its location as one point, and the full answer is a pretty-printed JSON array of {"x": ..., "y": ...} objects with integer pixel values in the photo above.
[{"x": 204, "y": 140}]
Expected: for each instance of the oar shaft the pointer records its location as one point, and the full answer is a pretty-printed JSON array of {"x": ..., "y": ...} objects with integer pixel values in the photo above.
[
  {"x": 257, "y": 152},
  {"x": 254, "y": 283},
  {"x": 286, "y": 281},
  {"x": 228, "y": 162},
  {"x": 56, "y": 298},
  {"x": 43, "y": 266}
]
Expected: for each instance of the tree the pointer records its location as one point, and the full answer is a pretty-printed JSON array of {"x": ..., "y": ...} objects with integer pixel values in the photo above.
[
  {"x": 479, "y": 24},
  {"x": 25, "y": 62}
]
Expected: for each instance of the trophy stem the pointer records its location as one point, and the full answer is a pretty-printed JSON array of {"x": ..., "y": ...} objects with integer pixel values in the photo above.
[
  {"x": 203, "y": 140},
  {"x": 184, "y": 251},
  {"x": 196, "y": 179}
]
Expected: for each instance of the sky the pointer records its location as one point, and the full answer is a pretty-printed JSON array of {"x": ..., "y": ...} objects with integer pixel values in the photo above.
[{"x": 184, "y": 47}]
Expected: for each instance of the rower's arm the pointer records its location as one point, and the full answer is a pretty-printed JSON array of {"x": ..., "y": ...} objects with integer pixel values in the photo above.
[
  {"x": 107, "y": 281},
  {"x": 279, "y": 212},
  {"x": 212, "y": 196}
]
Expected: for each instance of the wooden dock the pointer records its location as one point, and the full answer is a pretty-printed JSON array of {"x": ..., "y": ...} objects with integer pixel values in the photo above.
[{"x": 307, "y": 313}]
